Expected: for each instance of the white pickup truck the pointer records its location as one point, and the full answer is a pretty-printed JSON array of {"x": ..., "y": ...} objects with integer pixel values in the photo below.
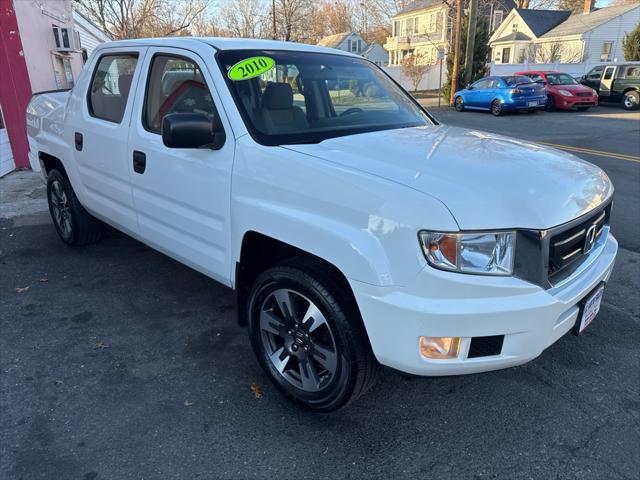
[{"x": 356, "y": 230}]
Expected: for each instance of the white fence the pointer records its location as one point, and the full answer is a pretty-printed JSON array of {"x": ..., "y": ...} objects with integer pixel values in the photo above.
[
  {"x": 574, "y": 69},
  {"x": 430, "y": 81}
]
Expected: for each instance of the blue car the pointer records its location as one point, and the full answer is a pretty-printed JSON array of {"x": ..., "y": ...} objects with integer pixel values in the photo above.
[{"x": 502, "y": 94}]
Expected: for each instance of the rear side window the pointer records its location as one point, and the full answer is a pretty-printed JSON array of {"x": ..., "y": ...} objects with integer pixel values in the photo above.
[
  {"x": 633, "y": 72},
  {"x": 175, "y": 85},
  {"x": 110, "y": 86}
]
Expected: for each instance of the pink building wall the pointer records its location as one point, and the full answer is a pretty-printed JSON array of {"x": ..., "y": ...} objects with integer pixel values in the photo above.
[{"x": 15, "y": 87}]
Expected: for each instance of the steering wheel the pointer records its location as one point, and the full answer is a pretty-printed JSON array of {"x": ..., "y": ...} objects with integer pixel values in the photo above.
[{"x": 351, "y": 110}]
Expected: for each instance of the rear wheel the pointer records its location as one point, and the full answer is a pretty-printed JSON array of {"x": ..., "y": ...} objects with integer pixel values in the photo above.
[
  {"x": 309, "y": 338},
  {"x": 631, "y": 100},
  {"x": 459, "y": 104},
  {"x": 74, "y": 224},
  {"x": 496, "y": 108}
]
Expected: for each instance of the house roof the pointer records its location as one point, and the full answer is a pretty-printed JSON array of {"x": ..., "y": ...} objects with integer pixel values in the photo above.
[
  {"x": 583, "y": 22},
  {"x": 332, "y": 41},
  {"x": 422, "y": 4},
  {"x": 541, "y": 21},
  {"x": 512, "y": 36}
]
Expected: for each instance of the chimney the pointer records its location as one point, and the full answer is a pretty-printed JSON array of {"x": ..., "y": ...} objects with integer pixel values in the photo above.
[{"x": 588, "y": 6}]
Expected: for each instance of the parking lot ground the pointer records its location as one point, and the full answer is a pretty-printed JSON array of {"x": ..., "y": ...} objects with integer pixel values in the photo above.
[{"x": 118, "y": 363}]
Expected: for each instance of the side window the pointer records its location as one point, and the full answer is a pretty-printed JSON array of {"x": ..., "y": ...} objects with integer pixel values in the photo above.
[
  {"x": 110, "y": 86},
  {"x": 175, "y": 85},
  {"x": 482, "y": 84},
  {"x": 608, "y": 73},
  {"x": 633, "y": 72},
  {"x": 595, "y": 74}
]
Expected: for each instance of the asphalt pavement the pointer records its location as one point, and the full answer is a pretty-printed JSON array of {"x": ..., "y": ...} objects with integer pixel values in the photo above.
[{"x": 118, "y": 363}]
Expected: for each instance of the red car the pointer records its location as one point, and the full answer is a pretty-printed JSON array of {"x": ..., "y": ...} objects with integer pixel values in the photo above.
[{"x": 563, "y": 91}]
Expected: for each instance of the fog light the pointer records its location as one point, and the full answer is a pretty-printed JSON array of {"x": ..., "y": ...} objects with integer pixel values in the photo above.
[{"x": 439, "y": 348}]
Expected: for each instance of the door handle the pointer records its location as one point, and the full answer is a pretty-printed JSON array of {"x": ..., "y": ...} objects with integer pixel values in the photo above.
[
  {"x": 78, "y": 141},
  {"x": 139, "y": 161}
]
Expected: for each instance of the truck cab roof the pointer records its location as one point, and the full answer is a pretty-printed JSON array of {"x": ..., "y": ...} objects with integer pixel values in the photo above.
[{"x": 223, "y": 43}]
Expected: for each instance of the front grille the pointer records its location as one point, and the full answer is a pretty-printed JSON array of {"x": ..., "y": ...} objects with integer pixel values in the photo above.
[
  {"x": 583, "y": 94},
  {"x": 571, "y": 245},
  {"x": 485, "y": 346}
]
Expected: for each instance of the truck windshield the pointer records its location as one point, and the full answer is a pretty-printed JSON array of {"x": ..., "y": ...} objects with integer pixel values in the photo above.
[{"x": 288, "y": 97}]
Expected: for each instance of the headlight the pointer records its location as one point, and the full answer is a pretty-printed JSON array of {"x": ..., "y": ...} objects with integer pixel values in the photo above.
[
  {"x": 594, "y": 92},
  {"x": 566, "y": 93},
  {"x": 486, "y": 253}
]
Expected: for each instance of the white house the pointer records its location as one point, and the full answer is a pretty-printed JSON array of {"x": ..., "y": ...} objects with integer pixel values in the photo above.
[
  {"x": 89, "y": 33},
  {"x": 346, "y": 41},
  {"x": 548, "y": 36}
]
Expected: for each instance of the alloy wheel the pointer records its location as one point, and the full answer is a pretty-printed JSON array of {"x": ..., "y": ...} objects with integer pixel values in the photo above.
[
  {"x": 61, "y": 208},
  {"x": 630, "y": 101},
  {"x": 298, "y": 340}
]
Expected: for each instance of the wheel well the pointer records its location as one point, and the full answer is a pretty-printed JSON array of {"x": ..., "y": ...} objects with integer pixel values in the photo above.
[
  {"x": 49, "y": 162},
  {"x": 630, "y": 89},
  {"x": 260, "y": 252}
]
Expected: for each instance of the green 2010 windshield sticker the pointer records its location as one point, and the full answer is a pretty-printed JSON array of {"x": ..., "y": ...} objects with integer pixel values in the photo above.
[{"x": 251, "y": 67}]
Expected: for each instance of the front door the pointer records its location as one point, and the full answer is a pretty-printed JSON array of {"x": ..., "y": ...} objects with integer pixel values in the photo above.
[
  {"x": 607, "y": 81},
  {"x": 592, "y": 79},
  {"x": 182, "y": 196},
  {"x": 100, "y": 132}
]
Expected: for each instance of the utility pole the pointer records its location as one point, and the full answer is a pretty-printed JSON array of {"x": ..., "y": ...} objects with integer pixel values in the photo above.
[
  {"x": 471, "y": 40},
  {"x": 273, "y": 18},
  {"x": 456, "y": 51}
]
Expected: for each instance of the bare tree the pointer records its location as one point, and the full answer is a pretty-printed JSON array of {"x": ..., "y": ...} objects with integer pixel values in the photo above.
[
  {"x": 123, "y": 19},
  {"x": 330, "y": 18},
  {"x": 292, "y": 19},
  {"x": 552, "y": 52},
  {"x": 245, "y": 18},
  {"x": 414, "y": 67}
]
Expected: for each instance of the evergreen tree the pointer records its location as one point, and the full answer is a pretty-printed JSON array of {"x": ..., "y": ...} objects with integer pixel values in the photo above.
[
  {"x": 631, "y": 45},
  {"x": 480, "y": 55}
]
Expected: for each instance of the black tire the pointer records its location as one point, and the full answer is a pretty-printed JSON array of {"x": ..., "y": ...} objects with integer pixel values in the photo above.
[
  {"x": 550, "y": 106},
  {"x": 631, "y": 100},
  {"x": 74, "y": 224},
  {"x": 354, "y": 369},
  {"x": 459, "y": 104},
  {"x": 583, "y": 109},
  {"x": 496, "y": 108}
]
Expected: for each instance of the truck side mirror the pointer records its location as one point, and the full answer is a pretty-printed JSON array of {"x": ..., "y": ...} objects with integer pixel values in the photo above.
[
  {"x": 192, "y": 130},
  {"x": 469, "y": 86}
]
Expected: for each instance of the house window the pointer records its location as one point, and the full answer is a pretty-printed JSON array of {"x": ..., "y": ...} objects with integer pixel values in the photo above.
[
  {"x": 514, "y": 28},
  {"x": 506, "y": 55},
  {"x": 522, "y": 55},
  {"x": 409, "y": 26},
  {"x": 497, "y": 19},
  {"x": 396, "y": 28},
  {"x": 416, "y": 25},
  {"x": 432, "y": 22},
  {"x": 607, "y": 47}
]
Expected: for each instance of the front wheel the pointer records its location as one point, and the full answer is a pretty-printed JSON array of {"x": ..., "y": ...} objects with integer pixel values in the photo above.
[
  {"x": 74, "y": 224},
  {"x": 309, "y": 338},
  {"x": 551, "y": 104},
  {"x": 631, "y": 101},
  {"x": 459, "y": 104},
  {"x": 496, "y": 108}
]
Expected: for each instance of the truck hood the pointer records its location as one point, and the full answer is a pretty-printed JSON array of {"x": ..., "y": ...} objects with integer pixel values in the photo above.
[{"x": 487, "y": 181}]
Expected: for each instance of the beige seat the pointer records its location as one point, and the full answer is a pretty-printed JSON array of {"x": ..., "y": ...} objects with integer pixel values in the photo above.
[{"x": 279, "y": 114}]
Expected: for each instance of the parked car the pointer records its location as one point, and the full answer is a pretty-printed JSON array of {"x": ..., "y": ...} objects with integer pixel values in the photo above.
[
  {"x": 563, "y": 91},
  {"x": 355, "y": 229},
  {"x": 616, "y": 83},
  {"x": 502, "y": 94}
]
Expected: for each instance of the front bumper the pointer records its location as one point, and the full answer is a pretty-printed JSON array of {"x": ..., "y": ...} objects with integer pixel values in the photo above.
[
  {"x": 445, "y": 304},
  {"x": 569, "y": 103}
]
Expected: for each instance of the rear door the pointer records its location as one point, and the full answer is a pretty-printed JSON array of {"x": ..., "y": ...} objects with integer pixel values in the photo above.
[
  {"x": 100, "y": 133},
  {"x": 607, "y": 81},
  {"x": 182, "y": 196}
]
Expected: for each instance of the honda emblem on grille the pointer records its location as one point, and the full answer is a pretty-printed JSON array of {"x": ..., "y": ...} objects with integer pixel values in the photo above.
[{"x": 589, "y": 239}]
